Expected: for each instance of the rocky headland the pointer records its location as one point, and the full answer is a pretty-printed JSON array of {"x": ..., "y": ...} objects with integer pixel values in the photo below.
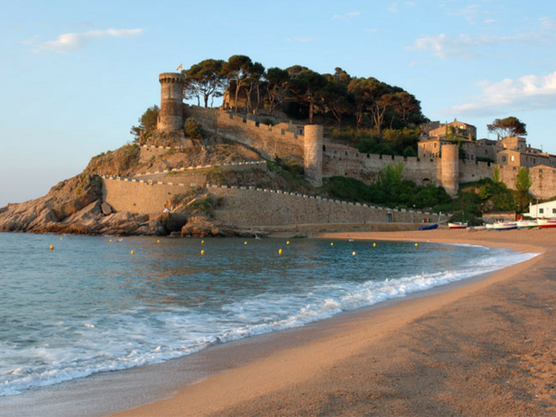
[{"x": 76, "y": 205}]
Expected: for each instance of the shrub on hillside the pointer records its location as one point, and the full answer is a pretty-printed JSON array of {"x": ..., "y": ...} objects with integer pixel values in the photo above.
[{"x": 193, "y": 129}]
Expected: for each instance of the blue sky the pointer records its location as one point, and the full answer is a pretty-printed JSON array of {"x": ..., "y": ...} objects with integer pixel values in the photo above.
[{"x": 76, "y": 75}]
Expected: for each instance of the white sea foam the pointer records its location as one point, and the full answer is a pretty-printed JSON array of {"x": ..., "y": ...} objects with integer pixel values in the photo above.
[{"x": 140, "y": 336}]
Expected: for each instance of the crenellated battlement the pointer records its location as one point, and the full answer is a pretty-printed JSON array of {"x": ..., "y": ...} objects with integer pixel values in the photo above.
[{"x": 171, "y": 77}]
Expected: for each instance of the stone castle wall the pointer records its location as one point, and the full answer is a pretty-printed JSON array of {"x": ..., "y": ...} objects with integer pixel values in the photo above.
[
  {"x": 341, "y": 160},
  {"x": 254, "y": 207},
  {"x": 142, "y": 196},
  {"x": 271, "y": 141},
  {"x": 258, "y": 207}
]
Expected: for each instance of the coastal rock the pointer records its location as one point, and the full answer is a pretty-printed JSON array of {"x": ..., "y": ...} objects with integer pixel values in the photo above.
[
  {"x": 172, "y": 222},
  {"x": 199, "y": 226},
  {"x": 106, "y": 209},
  {"x": 152, "y": 228}
]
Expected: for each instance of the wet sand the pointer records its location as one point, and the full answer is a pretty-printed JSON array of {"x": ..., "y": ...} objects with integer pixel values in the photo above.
[{"x": 486, "y": 348}]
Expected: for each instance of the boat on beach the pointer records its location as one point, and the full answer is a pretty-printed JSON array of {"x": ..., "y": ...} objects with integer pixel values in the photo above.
[
  {"x": 457, "y": 225},
  {"x": 505, "y": 226},
  {"x": 429, "y": 227},
  {"x": 527, "y": 224},
  {"x": 546, "y": 223}
]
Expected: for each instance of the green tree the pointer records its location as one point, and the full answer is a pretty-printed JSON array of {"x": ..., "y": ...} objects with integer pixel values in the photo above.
[
  {"x": 147, "y": 123},
  {"x": 276, "y": 88},
  {"x": 390, "y": 180},
  {"x": 237, "y": 71},
  {"x": 372, "y": 96},
  {"x": 406, "y": 107},
  {"x": 308, "y": 87},
  {"x": 204, "y": 80},
  {"x": 253, "y": 82},
  {"x": 523, "y": 183},
  {"x": 336, "y": 99},
  {"x": 496, "y": 173},
  {"x": 360, "y": 89},
  {"x": 510, "y": 126}
]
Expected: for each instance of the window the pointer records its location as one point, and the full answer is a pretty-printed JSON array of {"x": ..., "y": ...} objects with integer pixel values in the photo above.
[
  {"x": 554, "y": 211},
  {"x": 541, "y": 211},
  {"x": 503, "y": 159},
  {"x": 512, "y": 158}
]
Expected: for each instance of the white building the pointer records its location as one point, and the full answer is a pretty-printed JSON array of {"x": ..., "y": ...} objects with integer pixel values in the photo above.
[{"x": 542, "y": 210}]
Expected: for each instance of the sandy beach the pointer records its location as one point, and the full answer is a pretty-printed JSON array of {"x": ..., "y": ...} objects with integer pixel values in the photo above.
[{"x": 481, "y": 349}]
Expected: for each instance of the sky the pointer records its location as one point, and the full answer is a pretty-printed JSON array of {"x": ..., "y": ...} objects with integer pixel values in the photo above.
[{"x": 76, "y": 75}]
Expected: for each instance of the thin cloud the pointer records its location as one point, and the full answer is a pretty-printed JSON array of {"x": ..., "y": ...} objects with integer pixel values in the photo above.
[
  {"x": 300, "y": 40},
  {"x": 71, "y": 42},
  {"x": 393, "y": 8},
  {"x": 530, "y": 92},
  {"x": 347, "y": 17},
  {"x": 415, "y": 63}
]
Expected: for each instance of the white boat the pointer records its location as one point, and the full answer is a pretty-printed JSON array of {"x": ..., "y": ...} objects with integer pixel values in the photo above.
[
  {"x": 527, "y": 224},
  {"x": 546, "y": 223},
  {"x": 505, "y": 226},
  {"x": 457, "y": 225}
]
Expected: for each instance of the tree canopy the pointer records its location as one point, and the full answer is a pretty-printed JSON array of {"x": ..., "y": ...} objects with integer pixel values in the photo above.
[
  {"x": 335, "y": 97},
  {"x": 510, "y": 126},
  {"x": 204, "y": 80}
]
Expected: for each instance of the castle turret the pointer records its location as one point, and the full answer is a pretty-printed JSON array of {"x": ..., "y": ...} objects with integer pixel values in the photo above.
[
  {"x": 450, "y": 169},
  {"x": 170, "y": 116},
  {"x": 312, "y": 156}
]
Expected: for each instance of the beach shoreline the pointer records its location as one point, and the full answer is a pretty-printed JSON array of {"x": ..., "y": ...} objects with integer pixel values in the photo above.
[{"x": 478, "y": 349}]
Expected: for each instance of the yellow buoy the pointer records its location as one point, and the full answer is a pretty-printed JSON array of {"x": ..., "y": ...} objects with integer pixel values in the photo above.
[
  {"x": 110, "y": 240},
  {"x": 331, "y": 243},
  {"x": 158, "y": 241},
  {"x": 60, "y": 238},
  {"x": 245, "y": 243},
  {"x": 288, "y": 242},
  {"x": 202, "y": 242},
  {"x": 132, "y": 252},
  {"x": 202, "y": 251},
  {"x": 279, "y": 251},
  {"x": 374, "y": 245},
  {"x": 416, "y": 244},
  {"x": 51, "y": 247},
  {"x": 353, "y": 253}
]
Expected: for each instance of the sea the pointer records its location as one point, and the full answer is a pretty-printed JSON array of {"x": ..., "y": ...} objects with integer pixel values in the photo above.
[{"x": 74, "y": 306}]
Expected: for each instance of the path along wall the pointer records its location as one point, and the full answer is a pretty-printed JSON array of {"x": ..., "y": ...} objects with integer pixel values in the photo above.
[
  {"x": 271, "y": 141},
  {"x": 261, "y": 207}
]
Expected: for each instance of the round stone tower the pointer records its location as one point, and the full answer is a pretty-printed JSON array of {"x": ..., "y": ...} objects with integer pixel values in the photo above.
[
  {"x": 312, "y": 155},
  {"x": 450, "y": 169},
  {"x": 170, "y": 116}
]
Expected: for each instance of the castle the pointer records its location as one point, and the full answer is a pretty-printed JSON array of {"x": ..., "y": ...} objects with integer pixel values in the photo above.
[{"x": 439, "y": 158}]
